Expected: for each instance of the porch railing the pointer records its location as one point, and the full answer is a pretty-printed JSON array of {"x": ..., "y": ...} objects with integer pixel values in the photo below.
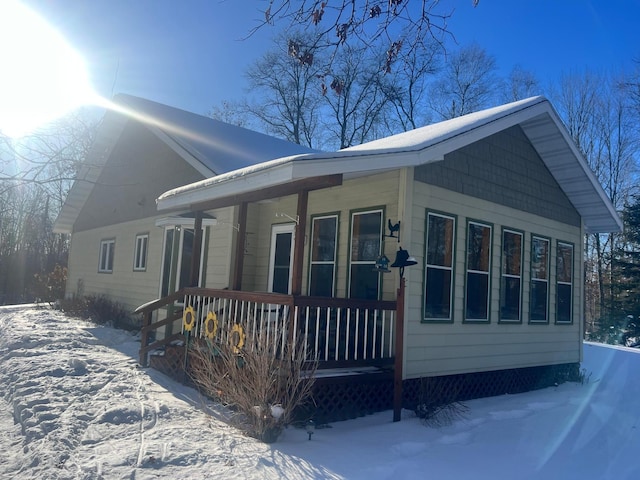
[{"x": 336, "y": 332}]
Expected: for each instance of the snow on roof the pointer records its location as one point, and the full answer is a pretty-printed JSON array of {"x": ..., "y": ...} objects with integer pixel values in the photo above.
[
  {"x": 219, "y": 146},
  {"x": 210, "y": 146},
  {"x": 424, "y": 145}
]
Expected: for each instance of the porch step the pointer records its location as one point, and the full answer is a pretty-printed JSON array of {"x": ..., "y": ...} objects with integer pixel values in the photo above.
[{"x": 170, "y": 361}]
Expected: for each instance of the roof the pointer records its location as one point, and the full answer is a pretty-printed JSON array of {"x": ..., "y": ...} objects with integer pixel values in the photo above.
[
  {"x": 536, "y": 116},
  {"x": 210, "y": 146}
]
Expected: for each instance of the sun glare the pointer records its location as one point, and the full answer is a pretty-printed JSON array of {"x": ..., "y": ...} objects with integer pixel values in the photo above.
[{"x": 42, "y": 76}]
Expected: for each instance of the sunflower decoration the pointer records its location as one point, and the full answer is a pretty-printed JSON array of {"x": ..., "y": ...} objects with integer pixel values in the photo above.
[
  {"x": 211, "y": 325},
  {"x": 237, "y": 338},
  {"x": 188, "y": 318}
]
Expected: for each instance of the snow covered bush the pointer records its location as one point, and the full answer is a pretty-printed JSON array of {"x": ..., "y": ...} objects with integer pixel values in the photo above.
[{"x": 262, "y": 384}]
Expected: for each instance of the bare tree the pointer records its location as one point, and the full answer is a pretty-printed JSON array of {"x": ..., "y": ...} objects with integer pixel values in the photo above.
[
  {"x": 355, "y": 93},
  {"x": 520, "y": 84},
  {"x": 468, "y": 83},
  {"x": 233, "y": 113},
  {"x": 402, "y": 26},
  {"x": 288, "y": 80},
  {"x": 35, "y": 175},
  {"x": 599, "y": 117},
  {"x": 407, "y": 86}
]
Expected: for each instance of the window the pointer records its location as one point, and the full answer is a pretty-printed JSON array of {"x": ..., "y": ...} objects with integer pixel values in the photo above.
[
  {"x": 564, "y": 279},
  {"x": 366, "y": 245},
  {"x": 176, "y": 258},
  {"x": 438, "y": 282},
  {"x": 322, "y": 273},
  {"x": 511, "y": 279},
  {"x": 539, "y": 279},
  {"x": 140, "y": 253},
  {"x": 478, "y": 272},
  {"x": 107, "y": 248}
]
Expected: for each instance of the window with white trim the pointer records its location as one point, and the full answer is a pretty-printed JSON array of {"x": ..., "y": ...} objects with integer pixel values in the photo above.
[
  {"x": 539, "y": 299},
  {"x": 322, "y": 272},
  {"x": 140, "y": 252},
  {"x": 511, "y": 277},
  {"x": 366, "y": 245},
  {"x": 438, "y": 281},
  {"x": 478, "y": 272},
  {"x": 564, "y": 282},
  {"x": 107, "y": 250}
]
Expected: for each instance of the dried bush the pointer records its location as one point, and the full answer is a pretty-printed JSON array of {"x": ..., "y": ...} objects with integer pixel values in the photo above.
[
  {"x": 101, "y": 310},
  {"x": 437, "y": 405},
  {"x": 262, "y": 384}
]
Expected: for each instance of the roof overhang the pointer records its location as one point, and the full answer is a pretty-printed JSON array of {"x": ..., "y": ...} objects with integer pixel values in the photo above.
[{"x": 536, "y": 117}]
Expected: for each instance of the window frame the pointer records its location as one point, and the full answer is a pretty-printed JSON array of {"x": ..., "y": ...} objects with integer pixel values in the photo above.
[
  {"x": 106, "y": 266},
  {"x": 533, "y": 280},
  {"x": 141, "y": 252},
  {"x": 559, "y": 283},
  {"x": 351, "y": 262},
  {"x": 503, "y": 275},
  {"x": 488, "y": 273},
  {"x": 451, "y": 269},
  {"x": 334, "y": 263}
]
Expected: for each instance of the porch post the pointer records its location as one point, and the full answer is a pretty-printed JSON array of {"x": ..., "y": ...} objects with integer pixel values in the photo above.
[
  {"x": 194, "y": 276},
  {"x": 238, "y": 263},
  {"x": 298, "y": 248},
  {"x": 399, "y": 351}
]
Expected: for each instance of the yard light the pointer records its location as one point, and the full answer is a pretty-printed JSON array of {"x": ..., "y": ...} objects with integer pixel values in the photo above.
[
  {"x": 311, "y": 428},
  {"x": 403, "y": 259}
]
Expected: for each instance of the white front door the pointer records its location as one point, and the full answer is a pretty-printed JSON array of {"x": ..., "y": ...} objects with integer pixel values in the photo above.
[{"x": 281, "y": 258}]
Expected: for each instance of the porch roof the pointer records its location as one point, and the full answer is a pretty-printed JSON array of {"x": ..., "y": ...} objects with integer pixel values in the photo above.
[{"x": 536, "y": 116}]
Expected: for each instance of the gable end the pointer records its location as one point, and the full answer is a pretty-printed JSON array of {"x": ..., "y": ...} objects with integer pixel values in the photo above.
[{"x": 503, "y": 168}]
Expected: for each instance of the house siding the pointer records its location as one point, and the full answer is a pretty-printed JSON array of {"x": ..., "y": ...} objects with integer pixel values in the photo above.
[
  {"x": 375, "y": 191},
  {"x": 451, "y": 348},
  {"x": 133, "y": 288},
  {"x": 504, "y": 169},
  {"x": 124, "y": 285}
]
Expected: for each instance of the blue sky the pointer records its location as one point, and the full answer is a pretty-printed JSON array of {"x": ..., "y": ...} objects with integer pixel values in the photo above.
[{"x": 189, "y": 54}]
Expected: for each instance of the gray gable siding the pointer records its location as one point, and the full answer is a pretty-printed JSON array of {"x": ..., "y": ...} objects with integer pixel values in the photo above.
[
  {"x": 504, "y": 169},
  {"x": 139, "y": 169}
]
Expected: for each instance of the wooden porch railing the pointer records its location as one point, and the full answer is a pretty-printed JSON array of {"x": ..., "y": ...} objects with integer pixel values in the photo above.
[{"x": 336, "y": 332}]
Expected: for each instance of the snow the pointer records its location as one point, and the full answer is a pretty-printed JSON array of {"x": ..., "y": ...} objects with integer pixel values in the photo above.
[{"x": 74, "y": 404}]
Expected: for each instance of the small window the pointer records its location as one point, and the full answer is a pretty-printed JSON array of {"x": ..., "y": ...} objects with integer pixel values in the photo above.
[
  {"x": 366, "y": 245},
  {"x": 438, "y": 281},
  {"x": 538, "y": 305},
  {"x": 564, "y": 285},
  {"x": 107, "y": 248},
  {"x": 478, "y": 272},
  {"x": 140, "y": 253},
  {"x": 322, "y": 273},
  {"x": 511, "y": 279}
]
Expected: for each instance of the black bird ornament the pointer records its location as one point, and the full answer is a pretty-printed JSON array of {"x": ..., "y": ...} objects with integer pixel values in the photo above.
[{"x": 393, "y": 229}]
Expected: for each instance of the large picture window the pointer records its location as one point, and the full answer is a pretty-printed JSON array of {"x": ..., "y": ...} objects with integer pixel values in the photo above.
[
  {"x": 322, "y": 273},
  {"x": 140, "y": 253},
  {"x": 366, "y": 245},
  {"x": 564, "y": 285},
  {"x": 511, "y": 278},
  {"x": 107, "y": 250},
  {"x": 478, "y": 272},
  {"x": 438, "y": 282},
  {"x": 538, "y": 305}
]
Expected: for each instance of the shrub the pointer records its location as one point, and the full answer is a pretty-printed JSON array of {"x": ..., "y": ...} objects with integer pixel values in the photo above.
[
  {"x": 262, "y": 385},
  {"x": 49, "y": 287},
  {"x": 101, "y": 310},
  {"x": 437, "y": 405}
]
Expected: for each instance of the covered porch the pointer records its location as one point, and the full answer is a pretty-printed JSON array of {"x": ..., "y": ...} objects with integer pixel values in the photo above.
[{"x": 341, "y": 336}]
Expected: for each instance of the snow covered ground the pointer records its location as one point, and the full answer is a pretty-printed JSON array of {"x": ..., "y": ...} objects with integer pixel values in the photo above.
[{"x": 75, "y": 405}]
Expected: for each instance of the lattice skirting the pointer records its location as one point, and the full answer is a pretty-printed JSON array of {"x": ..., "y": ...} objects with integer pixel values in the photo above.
[
  {"x": 449, "y": 388},
  {"x": 345, "y": 397}
]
